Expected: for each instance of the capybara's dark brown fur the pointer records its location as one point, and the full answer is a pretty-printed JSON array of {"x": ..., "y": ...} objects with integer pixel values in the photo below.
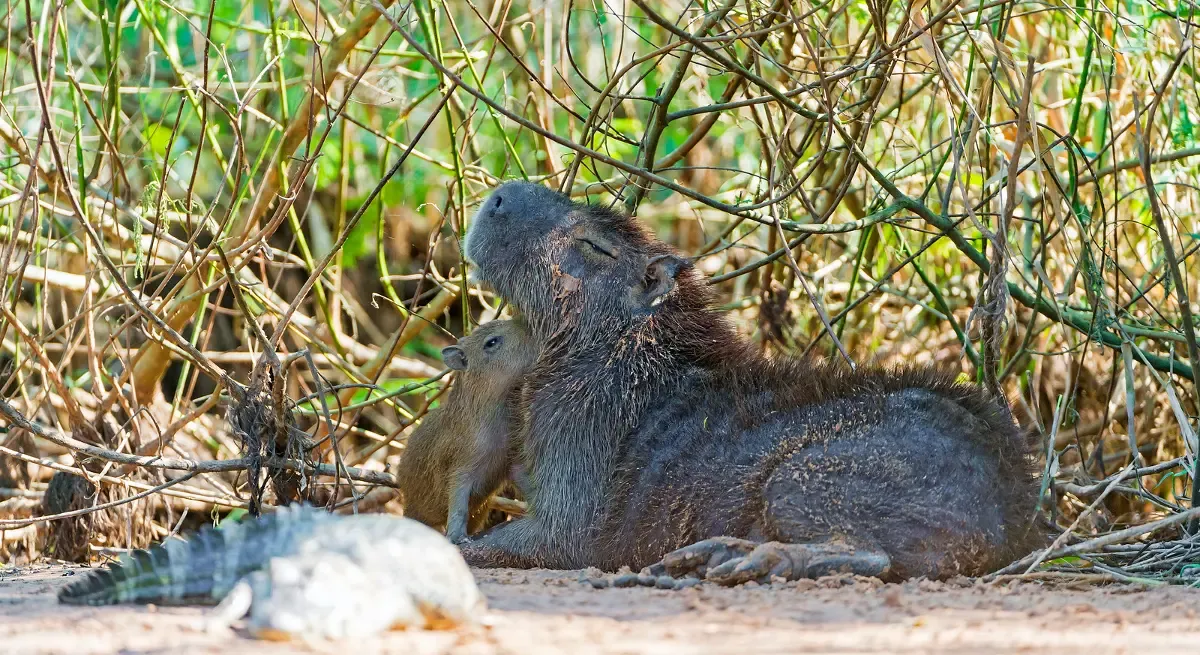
[
  {"x": 461, "y": 452},
  {"x": 650, "y": 424}
]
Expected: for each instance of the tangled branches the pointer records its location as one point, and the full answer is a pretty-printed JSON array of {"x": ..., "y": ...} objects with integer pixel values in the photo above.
[{"x": 182, "y": 222}]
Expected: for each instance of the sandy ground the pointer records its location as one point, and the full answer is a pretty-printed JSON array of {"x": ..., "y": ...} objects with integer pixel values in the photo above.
[{"x": 553, "y": 612}]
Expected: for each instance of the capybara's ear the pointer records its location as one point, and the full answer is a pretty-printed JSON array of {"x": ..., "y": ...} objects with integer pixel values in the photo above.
[
  {"x": 454, "y": 357},
  {"x": 659, "y": 279}
]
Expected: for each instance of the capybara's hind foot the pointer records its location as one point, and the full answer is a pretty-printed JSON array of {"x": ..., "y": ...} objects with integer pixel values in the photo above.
[
  {"x": 796, "y": 561},
  {"x": 728, "y": 561}
]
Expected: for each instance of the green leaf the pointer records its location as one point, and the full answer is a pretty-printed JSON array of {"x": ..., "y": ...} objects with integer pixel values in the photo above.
[
  {"x": 421, "y": 347},
  {"x": 157, "y": 138},
  {"x": 229, "y": 10},
  {"x": 359, "y": 242},
  {"x": 1099, "y": 128},
  {"x": 329, "y": 163},
  {"x": 716, "y": 85},
  {"x": 233, "y": 517},
  {"x": 1182, "y": 134}
]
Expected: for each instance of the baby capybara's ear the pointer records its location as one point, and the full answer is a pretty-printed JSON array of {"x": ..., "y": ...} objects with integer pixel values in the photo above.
[{"x": 455, "y": 358}]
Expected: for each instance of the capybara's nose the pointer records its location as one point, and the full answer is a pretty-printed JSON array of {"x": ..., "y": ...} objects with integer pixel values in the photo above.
[
  {"x": 519, "y": 200},
  {"x": 501, "y": 202},
  {"x": 454, "y": 358}
]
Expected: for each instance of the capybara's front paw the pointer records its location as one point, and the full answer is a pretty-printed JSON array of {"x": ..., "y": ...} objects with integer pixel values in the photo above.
[{"x": 698, "y": 558}]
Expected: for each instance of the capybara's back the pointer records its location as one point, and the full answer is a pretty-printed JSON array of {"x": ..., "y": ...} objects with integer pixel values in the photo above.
[{"x": 907, "y": 462}]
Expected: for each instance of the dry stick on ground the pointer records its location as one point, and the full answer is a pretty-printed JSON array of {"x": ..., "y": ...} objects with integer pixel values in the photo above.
[
  {"x": 1058, "y": 541},
  {"x": 1094, "y": 545},
  {"x": 1097, "y": 487}
]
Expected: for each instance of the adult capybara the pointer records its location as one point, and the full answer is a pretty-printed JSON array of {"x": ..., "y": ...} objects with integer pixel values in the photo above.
[{"x": 650, "y": 424}]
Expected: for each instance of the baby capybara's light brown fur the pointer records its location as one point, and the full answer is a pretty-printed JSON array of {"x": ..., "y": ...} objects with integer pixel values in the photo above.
[{"x": 461, "y": 453}]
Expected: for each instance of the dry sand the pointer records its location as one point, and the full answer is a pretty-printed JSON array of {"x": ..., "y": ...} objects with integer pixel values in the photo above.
[{"x": 552, "y": 612}]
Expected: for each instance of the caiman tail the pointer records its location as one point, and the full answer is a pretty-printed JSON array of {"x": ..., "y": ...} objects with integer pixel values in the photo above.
[{"x": 200, "y": 570}]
